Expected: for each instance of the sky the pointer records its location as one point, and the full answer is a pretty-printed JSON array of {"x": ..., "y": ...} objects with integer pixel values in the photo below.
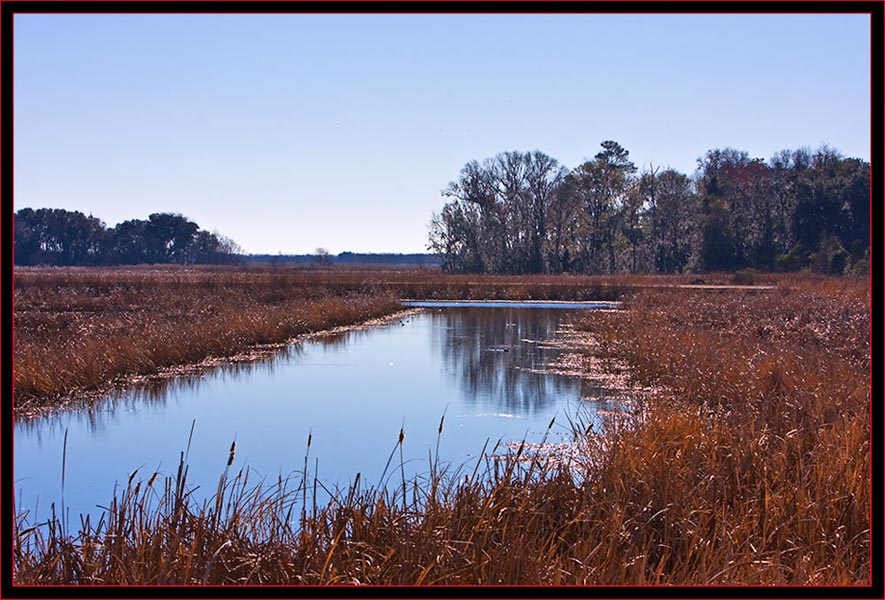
[{"x": 291, "y": 132}]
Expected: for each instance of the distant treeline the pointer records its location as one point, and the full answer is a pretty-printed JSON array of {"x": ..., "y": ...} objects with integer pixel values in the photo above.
[
  {"x": 345, "y": 258},
  {"x": 54, "y": 236},
  {"x": 525, "y": 213}
]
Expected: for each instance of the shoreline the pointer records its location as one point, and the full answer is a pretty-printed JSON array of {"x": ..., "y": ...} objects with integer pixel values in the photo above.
[{"x": 128, "y": 383}]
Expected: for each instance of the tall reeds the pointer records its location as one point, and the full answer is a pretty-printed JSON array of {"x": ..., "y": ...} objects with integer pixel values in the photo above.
[
  {"x": 754, "y": 456},
  {"x": 80, "y": 329},
  {"x": 748, "y": 464}
]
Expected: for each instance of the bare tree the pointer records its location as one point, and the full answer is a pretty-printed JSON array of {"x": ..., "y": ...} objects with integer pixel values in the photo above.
[{"x": 322, "y": 257}]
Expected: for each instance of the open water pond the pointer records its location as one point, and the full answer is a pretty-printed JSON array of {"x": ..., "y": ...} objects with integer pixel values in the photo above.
[{"x": 484, "y": 368}]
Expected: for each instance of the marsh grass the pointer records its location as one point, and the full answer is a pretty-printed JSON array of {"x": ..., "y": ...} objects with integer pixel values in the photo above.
[
  {"x": 756, "y": 453},
  {"x": 80, "y": 329},
  {"x": 749, "y": 465}
]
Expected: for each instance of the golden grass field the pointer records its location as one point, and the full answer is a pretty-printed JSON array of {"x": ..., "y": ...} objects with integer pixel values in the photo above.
[
  {"x": 748, "y": 463},
  {"x": 79, "y": 329}
]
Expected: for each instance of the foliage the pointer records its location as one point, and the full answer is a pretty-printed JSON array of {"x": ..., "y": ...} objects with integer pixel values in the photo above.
[
  {"x": 498, "y": 219},
  {"x": 57, "y": 236},
  {"x": 322, "y": 257},
  {"x": 63, "y": 238},
  {"x": 745, "y": 277},
  {"x": 523, "y": 213}
]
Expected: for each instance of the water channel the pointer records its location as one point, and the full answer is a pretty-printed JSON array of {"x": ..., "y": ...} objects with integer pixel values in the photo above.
[{"x": 481, "y": 367}]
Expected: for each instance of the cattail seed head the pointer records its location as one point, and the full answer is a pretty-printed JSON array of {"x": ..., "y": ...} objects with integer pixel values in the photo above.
[{"x": 233, "y": 451}]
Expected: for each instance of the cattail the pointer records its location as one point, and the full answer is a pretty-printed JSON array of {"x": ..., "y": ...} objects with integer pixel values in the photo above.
[{"x": 233, "y": 451}]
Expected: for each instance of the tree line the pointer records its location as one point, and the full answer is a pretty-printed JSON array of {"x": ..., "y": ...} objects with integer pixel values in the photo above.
[
  {"x": 523, "y": 212},
  {"x": 323, "y": 257},
  {"x": 54, "y": 236}
]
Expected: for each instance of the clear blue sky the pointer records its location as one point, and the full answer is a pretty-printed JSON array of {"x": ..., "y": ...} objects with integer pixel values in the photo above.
[{"x": 291, "y": 132}]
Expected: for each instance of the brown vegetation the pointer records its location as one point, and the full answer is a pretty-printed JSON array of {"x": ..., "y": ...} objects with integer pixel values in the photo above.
[
  {"x": 80, "y": 329},
  {"x": 751, "y": 464},
  {"x": 755, "y": 456}
]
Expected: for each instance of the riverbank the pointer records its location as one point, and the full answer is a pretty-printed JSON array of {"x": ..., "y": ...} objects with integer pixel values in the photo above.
[
  {"x": 748, "y": 464},
  {"x": 80, "y": 333},
  {"x": 751, "y": 464},
  {"x": 83, "y": 332}
]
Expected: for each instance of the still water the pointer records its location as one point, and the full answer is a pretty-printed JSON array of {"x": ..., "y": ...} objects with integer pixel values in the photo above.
[{"x": 480, "y": 367}]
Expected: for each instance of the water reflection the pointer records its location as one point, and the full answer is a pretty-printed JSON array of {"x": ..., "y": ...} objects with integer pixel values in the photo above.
[
  {"x": 484, "y": 368},
  {"x": 156, "y": 392},
  {"x": 496, "y": 357},
  {"x": 498, "y": 362}
]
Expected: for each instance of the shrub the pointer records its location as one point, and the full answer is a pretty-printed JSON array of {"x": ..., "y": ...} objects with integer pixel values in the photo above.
[
  {"x": 745, "y": 277},
  {"x": 838, "y": 262},
  {"x": 861, "y": 268},
  {"x": 789, "y": 262}
]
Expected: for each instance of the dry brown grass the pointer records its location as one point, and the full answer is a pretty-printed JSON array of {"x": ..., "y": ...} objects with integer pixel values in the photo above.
[
  {"x": 758, "y": 449},
  {"x": 751, "y": 465},
  {"x": 80, "y": 329}
]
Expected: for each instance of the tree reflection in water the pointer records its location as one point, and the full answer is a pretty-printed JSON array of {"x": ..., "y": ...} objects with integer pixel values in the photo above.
[
  {"x": 496, "y": 357},
  {"x": 498, "y": 354}
]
